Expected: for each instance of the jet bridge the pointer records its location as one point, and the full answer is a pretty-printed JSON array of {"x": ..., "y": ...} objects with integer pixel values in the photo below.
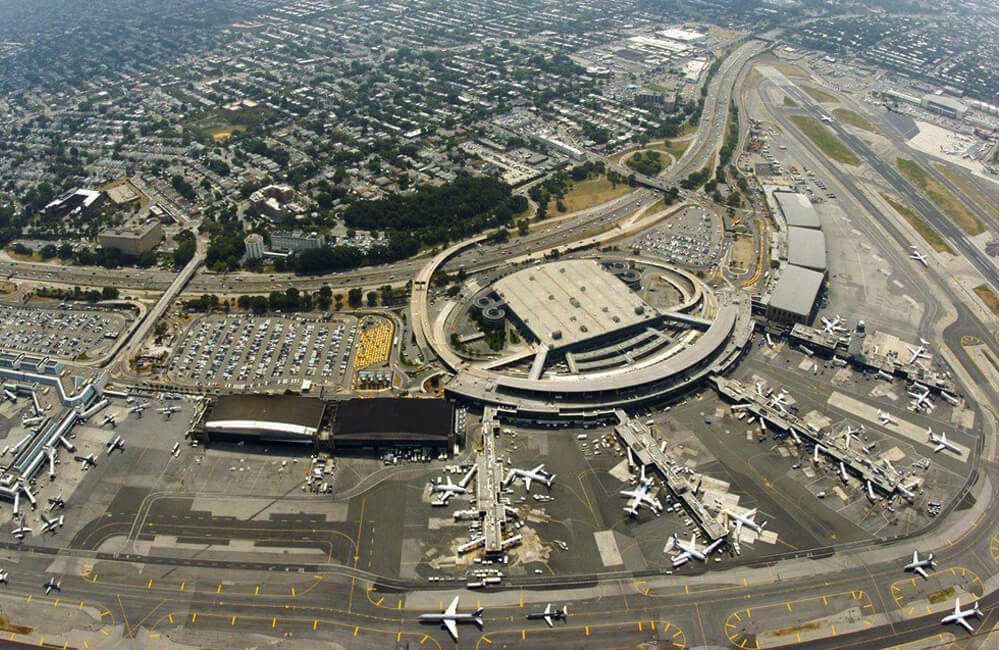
[{"x": 639, "y": 439}]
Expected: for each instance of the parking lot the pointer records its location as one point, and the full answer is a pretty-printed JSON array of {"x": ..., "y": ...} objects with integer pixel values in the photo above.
[
  {"x": 59, "y": 332},
  {"x": 256, "y": 352},
  {"x": 692, "y": 238}
]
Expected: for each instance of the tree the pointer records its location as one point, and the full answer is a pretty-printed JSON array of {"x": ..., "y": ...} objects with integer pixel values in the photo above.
[
  {"x": 372, "y": 298},
  {"x": 354, "y": 297},
  {"x": 109, "y": 293}
]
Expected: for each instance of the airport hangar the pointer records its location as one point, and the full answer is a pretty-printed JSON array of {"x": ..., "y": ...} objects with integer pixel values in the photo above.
[
  {"x": 800, "y": 261},
  {"x": 345, "y": 426},
  {"x": 617, "y": 350}
]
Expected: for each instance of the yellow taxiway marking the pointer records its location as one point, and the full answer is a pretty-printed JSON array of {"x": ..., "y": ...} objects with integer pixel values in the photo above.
[
  {"x": 29, "y": 597},
  {"x": 487, "y": 639},
  {"x": 218, "y": 589},
  {"x": 194, "y": 616},
  {"x": 256, "y": 590},
  {"x": 522, "y": 634},
  {"x": 788, "y": 606},
  {"x": 55, "y": 602},
  {"x": 149, "y": 584},
  {"x": 316, "y": 624},
  {"x": 170, "y": 617},
  {"x": 232, "y": 621},
  {"x": 399, "y": 604},
  {"x": 94, "y": 578},
  {"x": 356, "y": 628},
  {"x": 104, "y": 632},
  {"x": 399, "y": 635},
  {"x": 274, "y": 622},
  {"x": 586, "y": 630},
  {"x": 293, "y": 591},
  {"x": 424, "y": 638},
  {"x": 182, "y": 586}
]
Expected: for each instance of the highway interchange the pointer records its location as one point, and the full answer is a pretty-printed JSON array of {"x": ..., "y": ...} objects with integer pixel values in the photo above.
[{"x": 136, "y": 598}]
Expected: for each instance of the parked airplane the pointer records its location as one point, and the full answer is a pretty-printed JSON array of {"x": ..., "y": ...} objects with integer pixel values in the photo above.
[
  {"x": 918, "y": 352},
  {"x": 921, "y": 399},
  {"x": 549, "y": 615},
  {"x": 917, "y": 565},
  {"x": 528, "y": 475},
  {"x": 53, "y": 584},
  {"x": 959, "y": 615},
  {"x": 108, "y": 419},
  {"x": 451, "y": 617},
  {"x": 641, "y": 497},
  {"x": 747, "y": 520},
  {"x": 689, "y": 550},
  {"x": 917, "y": 255},
  {"x": 886, "y": 418},
  {"x": 832, "y": 326},
  {"x": 448, "y": 488},
  {"x": 139, "y": 408},
  {"x": 86, "y": 462},
  {"x": 57, "y": 502},
  {"x": 167, "y": 411},
  {"x": 21, "y": 530},
  {"x": 115, "y": 443},
  {"x": 942, "y": 442},
  {"x": 50, "y": 525}
]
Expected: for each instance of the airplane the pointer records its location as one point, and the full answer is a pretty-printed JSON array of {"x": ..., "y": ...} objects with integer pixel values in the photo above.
[
  {"x": 451, "y": 617},
  {"x": 3, "y": 576},
  {"x": 57, "y": 502},
  {"x": 108, "y": 419},
  {"x": 921, "y": 400},
  {"x": 448, "y": 488},
  {"x": 139, "y": 408},
  {"x": 21, "y": 530},
  {"x": 917, "y": 255},
  {"x": 918, "y": 352},
  {"x": 826, "y": 118},
  {"x": 53, "y": 584},
  {"x": 886, "y": 418},
  {"x": 832, "y": 326},
  {"x": 86, "y": 462},
  {"x": 690, "y": 550},
  {"x": 641, "y": 497},
  {"x": 167, "y": 411},
  {"x": 959, "y": 615},
  {"x": 549, "y": 615},
  {"x": 50, "y": 525},
  {"x": 942, "y": 442},
  {"x": 745, "y": 520},
  {"x": 176, "y": 451},
  {"x": 528, "y": 475},
  {"x": 115, "y": 443},
  {"x": 917, "y": 565}
]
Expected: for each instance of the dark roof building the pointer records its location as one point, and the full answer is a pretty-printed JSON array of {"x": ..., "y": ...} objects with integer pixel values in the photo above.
[
  {"x": 263, "y": 418},
  {"x": 392, "y": 422}
]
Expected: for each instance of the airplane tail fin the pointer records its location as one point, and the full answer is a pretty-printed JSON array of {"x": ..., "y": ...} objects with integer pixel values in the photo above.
[
  {"x": 976, "y": 610},
  {"x": 565, "y": 611},
  {"x": 477, "y": 618}
]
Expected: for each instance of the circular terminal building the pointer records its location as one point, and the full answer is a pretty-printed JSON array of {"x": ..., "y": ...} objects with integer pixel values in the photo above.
[{"x": 582, "y": 337}]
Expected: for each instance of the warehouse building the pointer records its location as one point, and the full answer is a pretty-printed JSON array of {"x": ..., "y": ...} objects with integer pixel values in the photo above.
[
  {"x": 132, "y": 241},
  {"x": 287, "y": 419},
  {"x": 944, "y": 105},
  {"x": 391, "y": 422},
  {"x": 807, "y": 248},
  {"x": 795, "y": 295},
  {"x": 797, "y": 209}
]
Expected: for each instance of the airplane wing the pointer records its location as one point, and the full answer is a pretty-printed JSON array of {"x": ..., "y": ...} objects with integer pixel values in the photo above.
[
  {"x": 958, "y": 609},
  {"x": 452, "y": 608},
  {"x": 964, "y": 623},
  {"x": 527, "y": 482},
  {"x": 939, "y": 447},
  {"x": 452, "y": 627},
  {"x": 920, "y": 570},
  {"x": 538, "y": 470},
  {"x": 916, "y": 557},
  {"x": 548, "y": 620}
]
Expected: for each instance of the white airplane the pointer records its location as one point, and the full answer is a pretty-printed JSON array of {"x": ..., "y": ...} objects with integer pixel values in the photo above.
[
  {"x": 921, "y": 399},
  {"x": 917, "y": 255},
  {"x": 21, "y": 530},
  {"x": 57, "y": 502},
  {"x": 139, "y": 408},
  {"x": 832, "y": 326},
  {"x": 528, "y": 475},
  {"x": 451, "y": 617},
  {"x": 3, "y": 576},
  {"x": 115, "y": 443},
  {"x": 641, "y": 497},
  {"x": 50, "y": 525},
  {"x": 53, "y": 584},
  {"x": 826, "y": 118},
  {"x": 549, "y": 615},
  {"x": 167, "y": 411},
  {"x": 885, "y": 417},
  {"x": 918, "y": 352},
  {"x": 448, "y": 488},
  {"x": 959, "y": 615},
  {"x": 176, "y": 451},
  {"x": 108, "y": 419},
  {"x": 917, "y": 565},
  {"x": 86, "y": 462},
  {"x": 942, "y": 442},
  {"x": 747, "y": 520},
  {"x": 689, "y": 550}
]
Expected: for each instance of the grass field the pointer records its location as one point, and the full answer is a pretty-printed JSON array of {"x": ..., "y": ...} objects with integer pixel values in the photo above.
[
  {"x": 819, "y": 95},
  {"x": 962, "y": 182},
  {"x": 675, "y": 148},
  {"x": 848, "y": 116},
  {"x": 790, "y": 70},
  {"x": 587, "y": 194},
  {"x": 929, "y": 234},
  {"x": 941, "y": 196},
  {"x": 988, "y": 297},
  {"x": 788, "y": 101},
  {"x": 823, "y": 138}
]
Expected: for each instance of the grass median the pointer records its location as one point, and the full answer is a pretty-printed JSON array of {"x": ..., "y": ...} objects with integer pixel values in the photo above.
[
  {"x": 929, "y": 234},
  {"x": 947, "y": 202},
  {"x": 824, "y": 138}
]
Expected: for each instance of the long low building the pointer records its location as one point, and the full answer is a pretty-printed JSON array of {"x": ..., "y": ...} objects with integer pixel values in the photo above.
[{"x": 338, "y": 425}]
